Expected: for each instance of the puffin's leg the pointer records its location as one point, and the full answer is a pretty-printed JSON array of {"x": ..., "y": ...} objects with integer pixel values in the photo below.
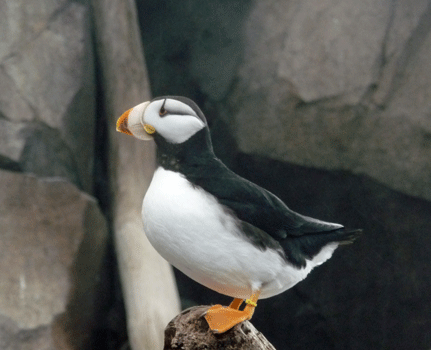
[
  {"x": 236, "y": 303},
  {"x": 221, "y": 319}
]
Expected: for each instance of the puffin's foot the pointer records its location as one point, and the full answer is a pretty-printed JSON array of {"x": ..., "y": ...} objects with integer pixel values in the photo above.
[{"x": 221, "y": 318}]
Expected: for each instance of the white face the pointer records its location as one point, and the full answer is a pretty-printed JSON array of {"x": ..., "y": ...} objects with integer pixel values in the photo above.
[{"x": 174, "y": 120}]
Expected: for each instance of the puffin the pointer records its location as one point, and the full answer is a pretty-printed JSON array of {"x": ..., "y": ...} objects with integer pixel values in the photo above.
[{"x": 218, "y": 228}]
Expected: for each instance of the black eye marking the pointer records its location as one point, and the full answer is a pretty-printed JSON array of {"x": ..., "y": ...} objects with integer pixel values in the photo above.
[{"x": 163, "y": 111}]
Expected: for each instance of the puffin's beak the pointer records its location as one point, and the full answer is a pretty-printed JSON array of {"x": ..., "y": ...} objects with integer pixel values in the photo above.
[
  {"x": 131, "y": 123},
  {"x": 122, "y": 123}
]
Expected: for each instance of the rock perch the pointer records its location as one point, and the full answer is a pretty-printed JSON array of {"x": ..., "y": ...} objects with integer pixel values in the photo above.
[{"x": 190, "y": 331}]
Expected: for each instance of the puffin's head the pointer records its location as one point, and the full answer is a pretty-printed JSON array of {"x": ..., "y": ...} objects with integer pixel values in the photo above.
[{"x": 176, "y": 119}]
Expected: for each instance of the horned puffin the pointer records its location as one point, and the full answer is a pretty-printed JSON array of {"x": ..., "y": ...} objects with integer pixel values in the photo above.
[{"x": 218, "y": 228}]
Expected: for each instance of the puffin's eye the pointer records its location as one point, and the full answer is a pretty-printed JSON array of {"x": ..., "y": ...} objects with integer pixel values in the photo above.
[{"x": 162, "y": 111}]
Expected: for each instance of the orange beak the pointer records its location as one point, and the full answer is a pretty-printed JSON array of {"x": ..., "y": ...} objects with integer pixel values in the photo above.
[{"x": 122, "y": 123}]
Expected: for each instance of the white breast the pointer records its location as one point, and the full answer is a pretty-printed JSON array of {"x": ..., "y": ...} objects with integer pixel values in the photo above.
[{"x": 190, "y": 229}]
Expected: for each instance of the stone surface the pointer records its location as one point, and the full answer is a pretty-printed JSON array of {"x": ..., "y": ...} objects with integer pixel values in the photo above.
[
  {"x": 12, "y": 103},
  {"x": 328, "y": 48},
  {"x": 312, "y": 100},
  {"x": 35, "y": 148},
  {"x": 14, "y": 338},
  {"x": 47, "y": 77},
  {"x": 47, "y": 154},
  {"x": 62, "y": 42},
  {"x": 11, "y": 142},
  {"x": 405, "y": 32},
  {"x": 190, "y": 331},
  {"x": 53, "y": 238},
  {"x": 23, "y": 20}
]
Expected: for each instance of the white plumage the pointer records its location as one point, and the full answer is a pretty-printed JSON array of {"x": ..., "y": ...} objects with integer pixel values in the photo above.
[{"x": 190, "y": 229}]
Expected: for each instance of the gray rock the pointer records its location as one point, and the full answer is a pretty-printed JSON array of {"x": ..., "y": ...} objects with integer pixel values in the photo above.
[
  {"x": 53, "y": 238},
  {"x": 37, "y": 149},
  {"x": 23, "y": 20},
  {"x": 328, "y": 48},
  {"x": 54, "y": 157},
  {"x": 47, "y": 75},
  {"x": 11, "y": 142},
  {"x": 14, "y": 338},
  {"x": 12, "y": 103},
  {"x": 338, "y": 87},
  {"x": 47, "y": 69},
  {"x": 397, "y": 150},
  {"x": 405, "y": 33}
]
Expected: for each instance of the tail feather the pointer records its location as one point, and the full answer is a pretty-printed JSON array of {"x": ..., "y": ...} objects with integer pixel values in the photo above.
[
  {"x": 300, "y": 249},
  {"x": 349, "y": 236}
]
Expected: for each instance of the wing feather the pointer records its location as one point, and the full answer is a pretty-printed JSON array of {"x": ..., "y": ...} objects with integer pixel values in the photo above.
[{"x": 266, "y": 220}]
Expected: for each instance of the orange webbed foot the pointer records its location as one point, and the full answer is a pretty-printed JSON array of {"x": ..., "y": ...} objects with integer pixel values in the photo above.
[{"x": 221, "y": 318}]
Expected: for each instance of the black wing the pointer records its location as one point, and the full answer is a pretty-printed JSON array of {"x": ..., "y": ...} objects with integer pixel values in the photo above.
[
  {"x": 267, "y": 221},
  {"x": 255, "y": 205}
]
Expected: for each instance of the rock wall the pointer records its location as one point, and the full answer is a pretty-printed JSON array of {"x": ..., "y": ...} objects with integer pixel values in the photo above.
[
  {"x": 52, "y": 231},
  {"x": 344, "y": 87},
  {"x": 53, "y": 245},
  {"x": 47, "y": 103},
  {"x": 326, "y": 103}
]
